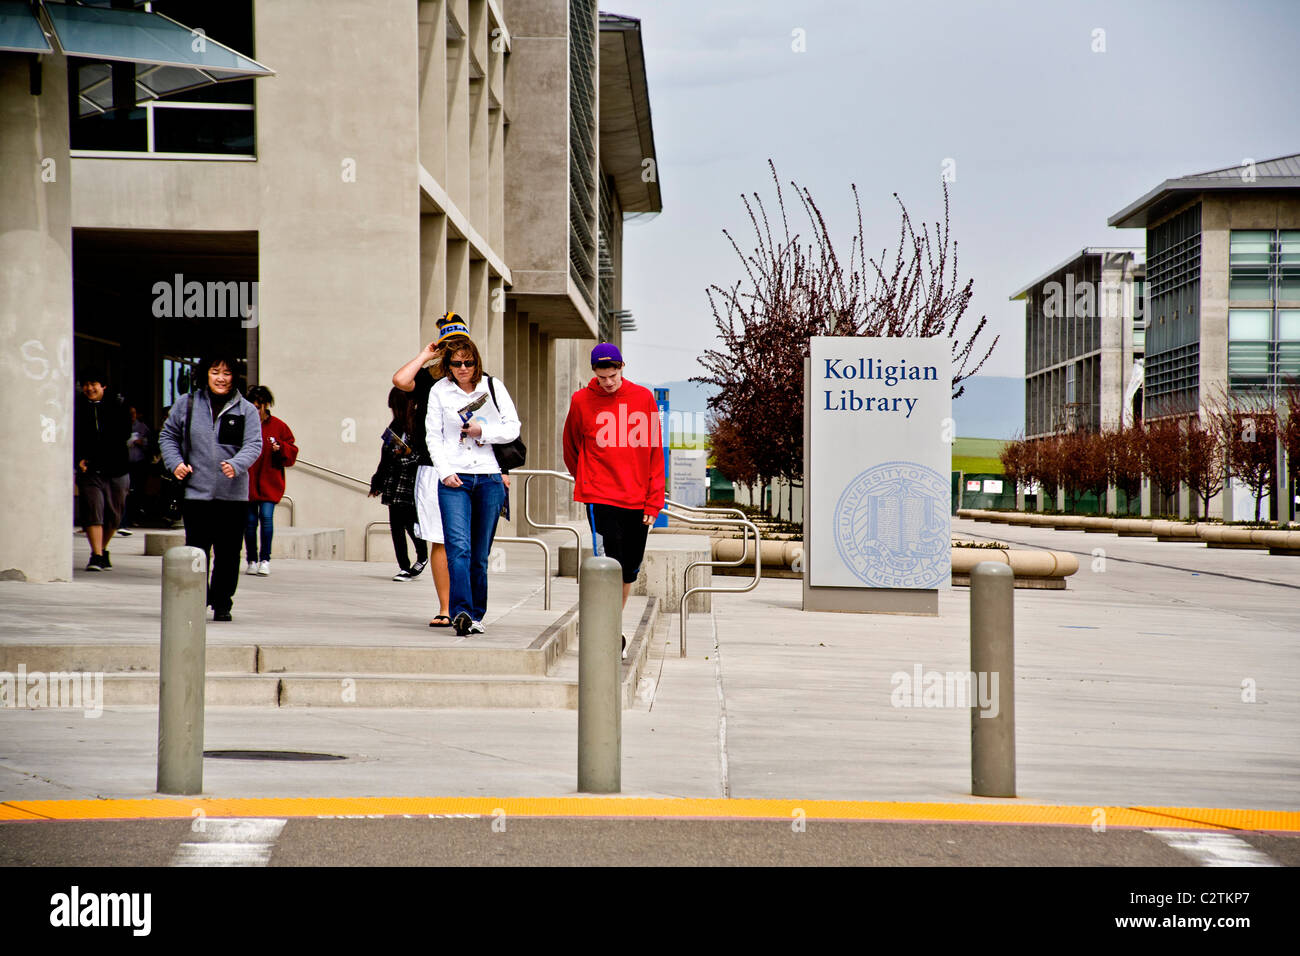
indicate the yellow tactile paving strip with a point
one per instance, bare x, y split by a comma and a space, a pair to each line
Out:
1195, 818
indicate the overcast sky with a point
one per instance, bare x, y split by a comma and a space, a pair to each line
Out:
1048, 137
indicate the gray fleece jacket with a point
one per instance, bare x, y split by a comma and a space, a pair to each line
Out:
235, 436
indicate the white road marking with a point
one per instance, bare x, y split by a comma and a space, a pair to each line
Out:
1214, 849
230, 843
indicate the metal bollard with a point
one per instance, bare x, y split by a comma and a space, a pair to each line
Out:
181, 671
600, 718
993, 680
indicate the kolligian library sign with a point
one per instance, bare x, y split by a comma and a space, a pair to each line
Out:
877, 474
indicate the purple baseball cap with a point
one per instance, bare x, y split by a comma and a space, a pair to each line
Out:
604, 352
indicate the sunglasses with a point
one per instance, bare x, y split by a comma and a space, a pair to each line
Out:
469, 364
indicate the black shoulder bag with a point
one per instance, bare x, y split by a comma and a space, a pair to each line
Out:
509, 454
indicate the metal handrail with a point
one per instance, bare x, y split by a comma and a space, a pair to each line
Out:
365, 538
719, 511
292, 510
758, 567
530, 474
546, 565
337, 474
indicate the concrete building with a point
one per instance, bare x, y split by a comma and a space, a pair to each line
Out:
1223, 265
407, 158
1084, 342
1223, 259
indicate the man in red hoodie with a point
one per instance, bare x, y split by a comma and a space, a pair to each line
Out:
613, 449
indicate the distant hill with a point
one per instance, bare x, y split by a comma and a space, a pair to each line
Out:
993, 406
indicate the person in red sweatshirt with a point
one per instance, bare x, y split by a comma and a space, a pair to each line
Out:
266, 480
613, 449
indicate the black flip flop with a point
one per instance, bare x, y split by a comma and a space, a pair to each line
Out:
440, 617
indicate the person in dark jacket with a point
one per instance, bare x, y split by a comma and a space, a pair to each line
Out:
266, 479
394, 483
101, 427
210, 441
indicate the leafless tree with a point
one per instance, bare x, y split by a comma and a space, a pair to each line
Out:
794, 289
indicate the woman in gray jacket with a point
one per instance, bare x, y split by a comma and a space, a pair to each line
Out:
209, 441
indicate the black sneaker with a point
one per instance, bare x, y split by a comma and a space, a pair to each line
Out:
96, 563
624, 652
104, 563
462, 624
221, 616
416, 568
123, 533
402, 575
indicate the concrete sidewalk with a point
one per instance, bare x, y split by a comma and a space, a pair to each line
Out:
1129, 691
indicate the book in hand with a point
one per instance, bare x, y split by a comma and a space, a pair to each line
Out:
395, 443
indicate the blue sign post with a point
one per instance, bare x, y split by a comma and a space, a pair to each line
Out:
661, 399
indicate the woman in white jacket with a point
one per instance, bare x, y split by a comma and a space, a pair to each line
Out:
471, 491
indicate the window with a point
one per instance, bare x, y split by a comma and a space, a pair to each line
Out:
177, 377
209, 122
1288, 346
1249, 257
1255, 355
1288, 265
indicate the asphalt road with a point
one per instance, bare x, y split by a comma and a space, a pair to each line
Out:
487, 841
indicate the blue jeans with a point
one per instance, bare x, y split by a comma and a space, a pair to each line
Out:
469, 523
265, 512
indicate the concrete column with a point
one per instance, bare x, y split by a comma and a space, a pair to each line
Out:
1146, 497
549, 445
1112, 499
433, 274
478, 120
36, 364
1060, 499
1184, 500
458, 277
476, 313
433, 88
457, 182
536, 406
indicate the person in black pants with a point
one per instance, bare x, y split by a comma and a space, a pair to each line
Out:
209, 441
394, 482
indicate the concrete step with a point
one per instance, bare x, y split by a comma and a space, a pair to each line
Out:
321, 544
505, 650
541, 675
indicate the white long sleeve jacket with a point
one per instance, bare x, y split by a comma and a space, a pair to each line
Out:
442, 422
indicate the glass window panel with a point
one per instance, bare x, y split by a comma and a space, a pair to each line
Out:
19, 30
1288, 321
1249, 246
140, 36
1289, 247
121, 130
203, 131
1248, 287
1288, 360
1248, 324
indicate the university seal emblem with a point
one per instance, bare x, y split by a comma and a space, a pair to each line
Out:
891, 527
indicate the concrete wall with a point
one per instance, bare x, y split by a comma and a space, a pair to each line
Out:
387, 189
36, 399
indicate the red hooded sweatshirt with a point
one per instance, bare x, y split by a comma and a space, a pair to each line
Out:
613, 447
266, 477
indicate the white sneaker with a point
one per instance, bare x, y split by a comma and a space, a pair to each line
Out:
252, 568
264, 568
476, 627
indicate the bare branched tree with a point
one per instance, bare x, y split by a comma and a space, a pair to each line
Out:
795, 289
